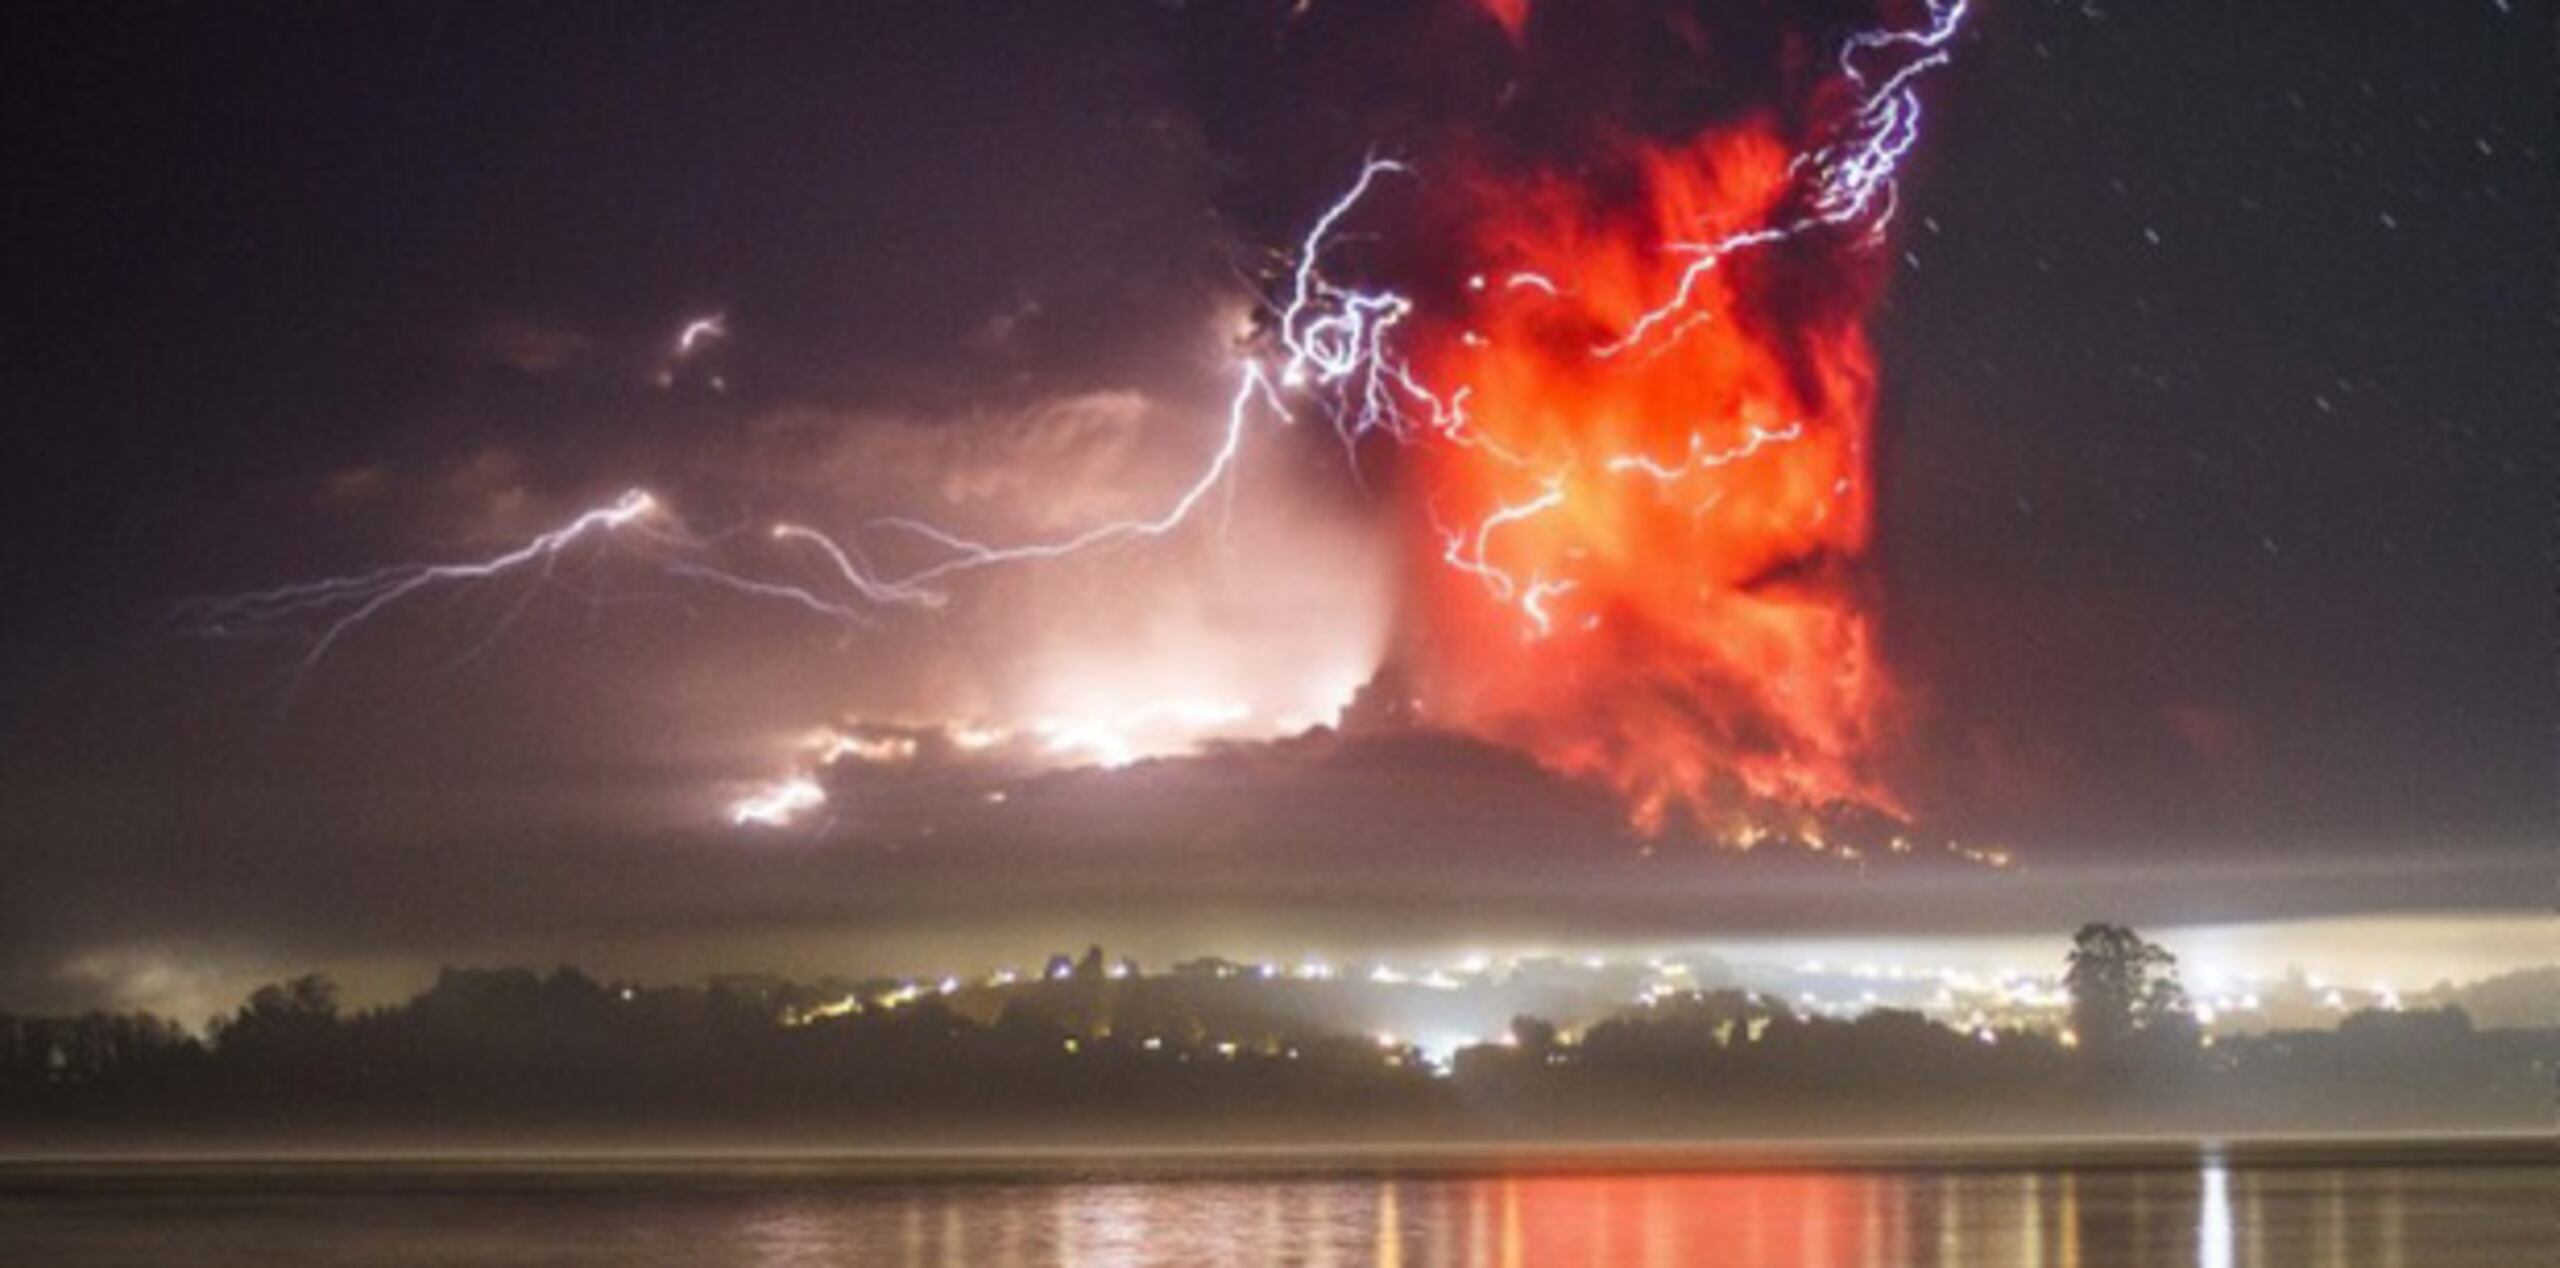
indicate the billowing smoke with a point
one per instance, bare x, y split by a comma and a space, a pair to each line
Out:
1640, 242
1682, 614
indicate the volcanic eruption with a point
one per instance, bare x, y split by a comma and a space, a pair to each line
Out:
1626, 334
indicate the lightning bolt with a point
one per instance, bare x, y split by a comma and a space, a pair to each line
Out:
1701, 459
1338, 337
1852, 175
1252, 385
1465, 551
699, 330
338, 605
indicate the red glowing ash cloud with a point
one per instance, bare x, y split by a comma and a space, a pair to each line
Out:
1647, 537
1512, 14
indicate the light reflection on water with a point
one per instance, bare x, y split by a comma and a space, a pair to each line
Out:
2213, 1224
2214, 1214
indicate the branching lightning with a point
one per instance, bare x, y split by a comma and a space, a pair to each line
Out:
969, 555
338, 605
1700, 458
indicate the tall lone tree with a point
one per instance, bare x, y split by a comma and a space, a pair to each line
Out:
2121, 985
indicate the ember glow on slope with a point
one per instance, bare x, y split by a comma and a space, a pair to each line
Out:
1639, 491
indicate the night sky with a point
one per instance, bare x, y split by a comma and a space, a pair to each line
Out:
2213, 486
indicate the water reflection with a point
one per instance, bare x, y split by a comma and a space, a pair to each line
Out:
2216, 1212
2213, 1226
2214, 1216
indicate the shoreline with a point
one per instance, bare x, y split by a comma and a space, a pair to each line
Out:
1037, 1163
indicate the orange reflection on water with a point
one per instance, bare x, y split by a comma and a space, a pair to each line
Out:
1742, 1220
2213, 1215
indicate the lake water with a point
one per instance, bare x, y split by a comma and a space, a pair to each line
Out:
2200, 1208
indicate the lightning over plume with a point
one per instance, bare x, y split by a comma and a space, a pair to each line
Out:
1610, 356
1643, 428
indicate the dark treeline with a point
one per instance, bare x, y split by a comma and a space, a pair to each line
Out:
1086, 1051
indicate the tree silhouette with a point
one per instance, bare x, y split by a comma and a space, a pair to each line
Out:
283, 1016
493, 1049
2121, 984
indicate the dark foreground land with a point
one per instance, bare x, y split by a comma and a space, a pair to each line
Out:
503, 1058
